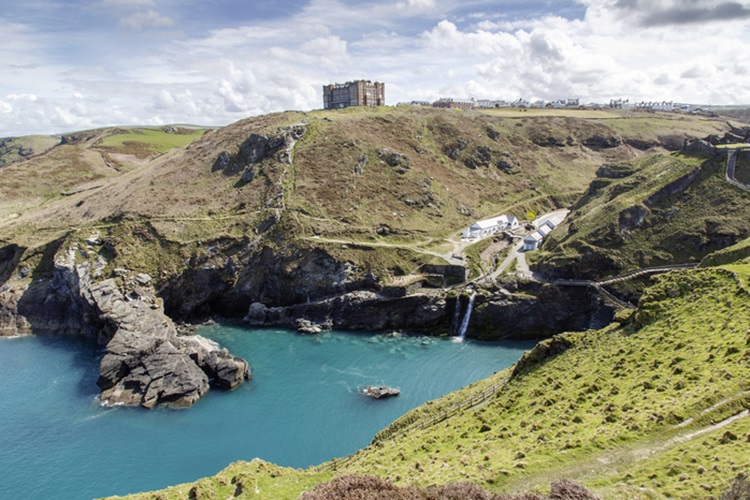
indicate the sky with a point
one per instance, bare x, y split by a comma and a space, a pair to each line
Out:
68, 65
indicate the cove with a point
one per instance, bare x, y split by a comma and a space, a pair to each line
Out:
301, 408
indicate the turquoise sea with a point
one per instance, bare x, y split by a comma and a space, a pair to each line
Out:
303, 407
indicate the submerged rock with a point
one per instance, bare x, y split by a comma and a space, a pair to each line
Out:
380, 391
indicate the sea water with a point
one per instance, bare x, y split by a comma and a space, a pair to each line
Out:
303, 406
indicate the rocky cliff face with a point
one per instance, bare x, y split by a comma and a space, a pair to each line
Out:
531, 310
517, 310
356, 311
146, 363
240, 275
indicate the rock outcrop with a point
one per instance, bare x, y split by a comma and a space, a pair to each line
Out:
544, 350
531, 310
146, 362
240, 274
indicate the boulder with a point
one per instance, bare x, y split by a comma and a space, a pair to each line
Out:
256, 314
401, 162
224, 369
632, 218
599, 142
508, 163
307, 326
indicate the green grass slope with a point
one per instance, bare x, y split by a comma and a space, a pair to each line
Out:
144, 141
738, 253
659, 209
654, 406
40, 170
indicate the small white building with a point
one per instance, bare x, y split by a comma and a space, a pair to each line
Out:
532, 241
512, 222
535, 239
481, 228
546, 228
490, 103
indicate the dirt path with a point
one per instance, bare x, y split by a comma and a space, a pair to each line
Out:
615, 461
410, 247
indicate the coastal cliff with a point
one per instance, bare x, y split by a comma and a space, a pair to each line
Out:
293, 219
145, 363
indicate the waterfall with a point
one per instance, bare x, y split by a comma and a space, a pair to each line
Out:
467, 317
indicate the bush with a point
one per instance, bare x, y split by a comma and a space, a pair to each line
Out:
740, 489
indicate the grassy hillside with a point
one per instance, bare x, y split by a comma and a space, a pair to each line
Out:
373, 179
659, 209
654, 406
159, 140
15, 149
49, 168
738, 253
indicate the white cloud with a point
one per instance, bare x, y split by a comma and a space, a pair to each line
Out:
22, 97
408, 7
126, 3
277, 64
146, 19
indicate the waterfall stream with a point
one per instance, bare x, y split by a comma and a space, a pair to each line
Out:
467, 317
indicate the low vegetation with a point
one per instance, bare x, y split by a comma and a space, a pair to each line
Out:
659, 209
143, 142
15, 149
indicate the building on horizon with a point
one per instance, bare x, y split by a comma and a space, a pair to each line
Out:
451, 103
491, 103
356, 93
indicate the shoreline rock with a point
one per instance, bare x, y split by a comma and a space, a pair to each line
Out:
146, 363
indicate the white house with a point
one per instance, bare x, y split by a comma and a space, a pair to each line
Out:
532, 241
488, 227
481, 228
489, 103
